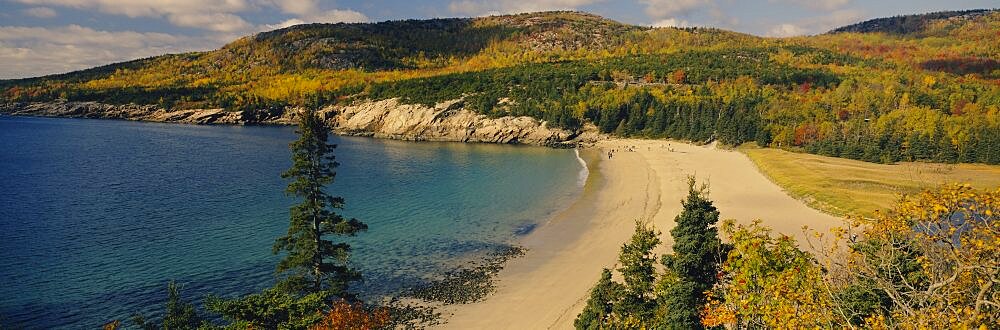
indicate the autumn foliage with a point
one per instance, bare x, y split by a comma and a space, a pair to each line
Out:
347, 316
767, 282
932, 262
927, 91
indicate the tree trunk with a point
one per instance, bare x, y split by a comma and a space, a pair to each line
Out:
317, 258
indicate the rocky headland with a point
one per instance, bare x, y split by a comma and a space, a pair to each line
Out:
390, 119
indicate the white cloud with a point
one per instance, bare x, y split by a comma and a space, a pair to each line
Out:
215, 15
308, 11
141, 8
786, 30
816, 25
211, 21
496, 7
664, 9
817, 4
337, 16
40, 12
33, 51
838, 18
671, 22
329, 16
830, 14
700, 12
299, 7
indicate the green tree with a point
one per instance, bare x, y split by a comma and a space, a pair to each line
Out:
270, 309
945, 149
179, 314
312, 263
632, 304
597, 313
694, 264
638, 271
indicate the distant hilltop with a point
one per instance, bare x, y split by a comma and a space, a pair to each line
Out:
909, 24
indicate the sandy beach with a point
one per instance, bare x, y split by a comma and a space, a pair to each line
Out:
548, 287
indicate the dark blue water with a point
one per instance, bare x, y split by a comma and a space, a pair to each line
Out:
97, 216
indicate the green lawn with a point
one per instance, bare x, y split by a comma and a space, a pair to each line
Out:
848, 187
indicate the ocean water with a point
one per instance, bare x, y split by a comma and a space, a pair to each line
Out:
97, 216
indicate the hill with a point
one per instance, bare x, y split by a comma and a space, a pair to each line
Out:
912, 24
878, 97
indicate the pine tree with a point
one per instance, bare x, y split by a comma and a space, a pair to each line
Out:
945, 149
695, 261
599, 306
613, 304
312, 263
639, 273
179, 314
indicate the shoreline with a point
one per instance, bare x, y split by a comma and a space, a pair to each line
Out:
387, 118
548, 287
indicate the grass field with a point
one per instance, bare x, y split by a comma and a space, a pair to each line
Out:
849, 187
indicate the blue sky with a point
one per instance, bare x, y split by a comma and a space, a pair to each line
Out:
40, 37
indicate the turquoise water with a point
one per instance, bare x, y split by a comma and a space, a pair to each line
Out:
97, 216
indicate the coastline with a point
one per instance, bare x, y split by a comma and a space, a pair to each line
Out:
446, 122
548, 286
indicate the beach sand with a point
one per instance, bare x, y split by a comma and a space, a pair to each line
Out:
549, 286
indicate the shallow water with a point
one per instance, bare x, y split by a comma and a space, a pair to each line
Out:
97, 216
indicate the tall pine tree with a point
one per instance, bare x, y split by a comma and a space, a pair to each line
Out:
179, 314
695, 261
638, 269
313, 263
603, 297
630, 303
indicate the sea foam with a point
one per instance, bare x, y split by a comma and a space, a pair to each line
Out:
584, 171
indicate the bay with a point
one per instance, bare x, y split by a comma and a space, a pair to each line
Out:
97, 216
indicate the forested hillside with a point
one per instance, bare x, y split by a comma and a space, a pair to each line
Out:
909, 24
913, 88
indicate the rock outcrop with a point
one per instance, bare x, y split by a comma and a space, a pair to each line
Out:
123, 111
446, 121
390, 119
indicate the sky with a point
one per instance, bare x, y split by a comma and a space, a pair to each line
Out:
39, 37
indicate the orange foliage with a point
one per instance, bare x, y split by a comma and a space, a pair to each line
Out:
805, 134
677, 77
346, 316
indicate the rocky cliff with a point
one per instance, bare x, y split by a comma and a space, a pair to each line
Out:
124, 111
447, 121
390, 119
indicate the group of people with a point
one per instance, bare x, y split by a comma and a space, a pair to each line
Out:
611, 153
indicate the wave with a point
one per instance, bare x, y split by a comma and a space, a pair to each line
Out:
584, 171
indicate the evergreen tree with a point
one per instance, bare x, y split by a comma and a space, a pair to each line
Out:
599, 306
312, 263
633, 303
695, 261
638, 271
179, 314
270, 309
945, 150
